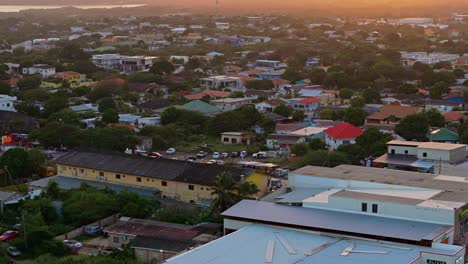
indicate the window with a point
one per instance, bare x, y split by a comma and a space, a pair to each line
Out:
393, 152
364, 207
226, 139
164, 183
138, 179
191, 187
406, 152
375, 208
101, 173
147, 180
201, 188
425, 155
234, 141
117, 176
116, 240
63, 167
81, 171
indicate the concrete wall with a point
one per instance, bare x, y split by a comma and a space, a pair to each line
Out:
79, 231
334, 144
149, 256
173, 190
434, 154
402, 150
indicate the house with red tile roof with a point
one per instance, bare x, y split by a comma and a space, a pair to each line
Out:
308, 104
213, 94
453, 116
69, 76
342, 134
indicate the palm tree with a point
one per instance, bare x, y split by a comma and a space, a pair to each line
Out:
246, 189
224, 193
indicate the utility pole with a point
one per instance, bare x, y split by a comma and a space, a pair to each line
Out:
24, 230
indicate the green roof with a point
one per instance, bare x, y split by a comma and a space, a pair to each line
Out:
443, 134
200, 106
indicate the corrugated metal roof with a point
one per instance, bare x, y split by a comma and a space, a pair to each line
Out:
334, 221
248, 246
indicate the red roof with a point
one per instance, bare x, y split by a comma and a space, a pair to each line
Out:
343, 131
65, 74
211, 93
452, 116
309, 100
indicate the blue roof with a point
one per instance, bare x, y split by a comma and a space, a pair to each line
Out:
455, 99
248, 245
335, 221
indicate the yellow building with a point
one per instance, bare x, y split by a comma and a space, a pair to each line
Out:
174, 179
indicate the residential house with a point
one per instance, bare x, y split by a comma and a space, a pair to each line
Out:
222, 25
283, 142
342, 134
213, 94
442, 105
222, 82
69, 76
42, 69
391, 114
287, 128
312, 63
451, 117
269, 65
200, 107
7, 103
443, 135
84, 108
165, 178
462, 62
268, 106
256, 94
106, 61
307, 105
136, 63
421, 156
409, 58
228, 104
271, 75
311, 132
129, 119
280, 85
236, 138
149, 121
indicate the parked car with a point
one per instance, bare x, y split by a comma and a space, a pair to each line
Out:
191, 159
243, 154
224, 155
9, 235
93, 230
260, 155
170, 151
216, 155
72, 244
154, 155
234, 154
211, 162
201, 154
14, 252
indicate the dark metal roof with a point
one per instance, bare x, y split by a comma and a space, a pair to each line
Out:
161, 244
165, 169
334, 221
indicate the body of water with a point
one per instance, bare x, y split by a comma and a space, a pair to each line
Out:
18, 8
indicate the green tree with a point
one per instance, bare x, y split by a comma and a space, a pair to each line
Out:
57, 134
358, 101
110, 116
162, 67
17, 162
373, 142
346, 93
298, 115
300, 149
4, 88
55, 104
463, 133
65, 116
29, 83
260, 85
355, 116
434, 117
223, 192
284, 110
407, 88
413, 127
324, 158
459, 73
438, 89
36, 160
106, 103
371, 96
317, 144
99, 93
354, 152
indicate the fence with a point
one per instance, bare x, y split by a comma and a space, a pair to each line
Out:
79, 231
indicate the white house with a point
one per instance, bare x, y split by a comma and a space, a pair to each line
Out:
222, 25
43, 69
149, 121
106, 61
225, 82
7, 103
442, 106
342, 134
